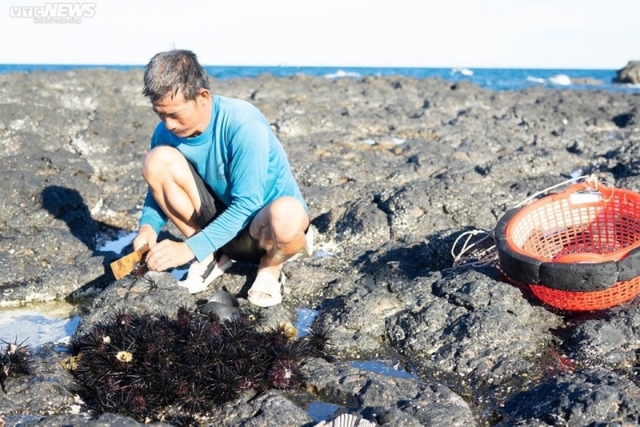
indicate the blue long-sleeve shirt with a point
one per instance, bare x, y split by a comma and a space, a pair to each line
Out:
242, 161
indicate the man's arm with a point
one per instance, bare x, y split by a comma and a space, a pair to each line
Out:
248, 169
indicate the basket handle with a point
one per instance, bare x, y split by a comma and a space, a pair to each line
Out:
583, 193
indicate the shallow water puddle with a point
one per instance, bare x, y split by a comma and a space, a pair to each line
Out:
321, 411
38, 324
115, 242
304, 319
326, 250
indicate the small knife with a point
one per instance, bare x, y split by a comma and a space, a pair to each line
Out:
126, 264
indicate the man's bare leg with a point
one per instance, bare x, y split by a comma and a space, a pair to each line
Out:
279, 229
173, 187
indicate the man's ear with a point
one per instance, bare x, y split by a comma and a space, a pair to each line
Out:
203, 96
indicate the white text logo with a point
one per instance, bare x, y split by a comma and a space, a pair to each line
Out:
55, 13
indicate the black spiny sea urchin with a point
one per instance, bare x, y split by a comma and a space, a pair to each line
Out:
15, 360
148, 366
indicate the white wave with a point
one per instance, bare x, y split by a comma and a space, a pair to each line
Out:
463, 71
535, 79
560, 79
340, 74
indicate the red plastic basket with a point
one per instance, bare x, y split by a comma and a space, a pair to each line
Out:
587, 301
576, 250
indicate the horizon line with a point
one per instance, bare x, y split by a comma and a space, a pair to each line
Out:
44, 64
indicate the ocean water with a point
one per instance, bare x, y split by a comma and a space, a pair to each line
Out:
490, 78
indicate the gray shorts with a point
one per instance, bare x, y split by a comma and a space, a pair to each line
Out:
242, 247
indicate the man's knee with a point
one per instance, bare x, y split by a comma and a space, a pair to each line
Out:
158, 161
288, 217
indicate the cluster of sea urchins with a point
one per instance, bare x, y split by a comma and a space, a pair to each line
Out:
15, 360
175, 369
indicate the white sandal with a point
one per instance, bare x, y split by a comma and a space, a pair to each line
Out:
266, 285
196, 280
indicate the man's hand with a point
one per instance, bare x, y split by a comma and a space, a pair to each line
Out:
146, 235
167, 254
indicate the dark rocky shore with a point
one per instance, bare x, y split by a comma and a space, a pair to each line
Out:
394, 170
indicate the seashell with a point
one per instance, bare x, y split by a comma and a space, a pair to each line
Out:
124, 356
347, 420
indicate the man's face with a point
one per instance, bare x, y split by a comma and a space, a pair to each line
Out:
184, 118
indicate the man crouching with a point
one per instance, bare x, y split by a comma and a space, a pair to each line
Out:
216, 169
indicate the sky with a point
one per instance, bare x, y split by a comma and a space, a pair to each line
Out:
561, 34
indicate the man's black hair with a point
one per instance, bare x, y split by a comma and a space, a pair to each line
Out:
168, 73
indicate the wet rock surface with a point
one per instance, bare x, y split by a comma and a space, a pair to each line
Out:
394, 171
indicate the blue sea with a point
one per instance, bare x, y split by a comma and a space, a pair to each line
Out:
490, 78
